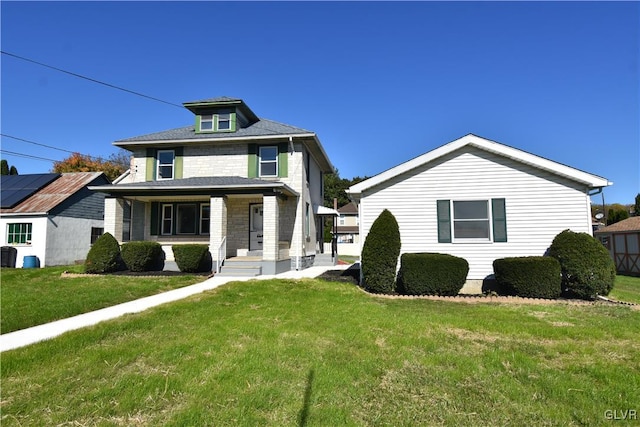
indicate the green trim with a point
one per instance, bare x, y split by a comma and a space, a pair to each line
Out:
150, 173
252, 155
198, 123
283, 160
444, 221
499, 217
177, 162
233, 122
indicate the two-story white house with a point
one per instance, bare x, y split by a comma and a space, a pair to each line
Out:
246, 186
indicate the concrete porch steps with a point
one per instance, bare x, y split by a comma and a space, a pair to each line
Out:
241, 267
324, 260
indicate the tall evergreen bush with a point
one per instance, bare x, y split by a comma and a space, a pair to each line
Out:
587, 269
380, 254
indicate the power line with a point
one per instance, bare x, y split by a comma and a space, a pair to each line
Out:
90, 79
28, 156
36, 143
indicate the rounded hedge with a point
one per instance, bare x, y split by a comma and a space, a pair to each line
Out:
193, 258
587, 269
104, 256
529, 277
431, 274
143, 256
380, 254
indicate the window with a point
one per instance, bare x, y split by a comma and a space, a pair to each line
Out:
19, 233
341, 219
268, 161
205, 219
95, 233
224, 121
167, 219
186, 219
471, 220
165, 164
206, 122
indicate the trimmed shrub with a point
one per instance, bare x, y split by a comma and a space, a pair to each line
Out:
529, 277
193, 258
431, 274
587, 269
380, 254
104, 256
143, 256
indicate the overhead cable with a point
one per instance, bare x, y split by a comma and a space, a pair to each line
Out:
90, 79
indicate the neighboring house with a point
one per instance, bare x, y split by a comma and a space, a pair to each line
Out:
54, 217
479, 200
622, 240
246, 186
347, 230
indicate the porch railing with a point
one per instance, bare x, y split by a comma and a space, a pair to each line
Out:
222, 254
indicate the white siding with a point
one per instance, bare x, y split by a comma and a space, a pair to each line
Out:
38, 237
539, 205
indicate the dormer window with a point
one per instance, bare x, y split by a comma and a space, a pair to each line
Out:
224, 121
216, 122
206, 122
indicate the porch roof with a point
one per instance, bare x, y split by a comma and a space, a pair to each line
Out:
211, 185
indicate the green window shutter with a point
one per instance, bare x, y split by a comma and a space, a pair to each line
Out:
177, 162
155, 212
499, 216
283, 159
444, 221
232, 125
253, 161
197, 124
150, 174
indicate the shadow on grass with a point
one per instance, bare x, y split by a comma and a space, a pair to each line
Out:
306, 403
350, 275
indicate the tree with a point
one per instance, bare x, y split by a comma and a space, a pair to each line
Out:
113, 167
636, 207
617, 213
335, 188
5, 169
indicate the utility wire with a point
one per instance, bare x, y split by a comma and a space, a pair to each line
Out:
28, 156
36, 143
90, 79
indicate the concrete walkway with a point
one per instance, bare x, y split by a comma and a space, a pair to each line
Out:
47, 331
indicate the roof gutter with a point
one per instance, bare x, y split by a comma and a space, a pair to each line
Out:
123, 143
16, 214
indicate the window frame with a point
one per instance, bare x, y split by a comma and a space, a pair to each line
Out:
261, 162
163, 219
207, 120
96, 232
219, 120
488, 220
27, 232
202, 219
159, 165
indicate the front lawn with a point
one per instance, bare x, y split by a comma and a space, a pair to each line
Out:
626, 289
34, 296
314, 352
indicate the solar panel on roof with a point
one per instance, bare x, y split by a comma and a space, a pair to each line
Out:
15, 188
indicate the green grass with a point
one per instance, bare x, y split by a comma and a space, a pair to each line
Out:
34, 296
626, 289
322, 353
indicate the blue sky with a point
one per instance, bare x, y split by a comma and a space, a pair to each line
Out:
380, 83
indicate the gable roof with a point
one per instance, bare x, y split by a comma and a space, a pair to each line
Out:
349, 208
54, 193
592, 181
626, 225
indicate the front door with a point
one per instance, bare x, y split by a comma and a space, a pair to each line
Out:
255, 228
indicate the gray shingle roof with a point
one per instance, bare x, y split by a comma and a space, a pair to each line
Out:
261, 128
195, 184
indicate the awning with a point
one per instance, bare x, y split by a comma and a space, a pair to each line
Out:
322, 210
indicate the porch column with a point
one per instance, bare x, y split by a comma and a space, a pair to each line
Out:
113, 217
218, 229
271, 228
